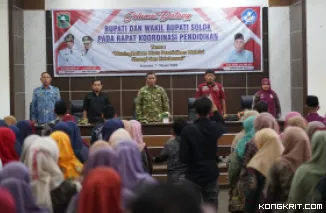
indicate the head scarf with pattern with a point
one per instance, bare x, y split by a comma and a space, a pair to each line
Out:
248, 126
68, 162
269, 150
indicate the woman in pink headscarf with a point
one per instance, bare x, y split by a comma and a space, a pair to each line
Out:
266, 94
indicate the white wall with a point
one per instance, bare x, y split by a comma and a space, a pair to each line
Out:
4, 60
316, 31
279, 55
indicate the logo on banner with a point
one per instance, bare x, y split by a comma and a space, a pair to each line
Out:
249, 16
63, 20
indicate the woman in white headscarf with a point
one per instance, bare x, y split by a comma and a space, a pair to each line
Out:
49, 187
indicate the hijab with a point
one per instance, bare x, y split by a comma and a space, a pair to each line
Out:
22, 194
68, 162
3, 123
7, 202
241, 134
99, 145
136, 133
10, 120
127, 126
130, 166
18, 144
118, 136
268, 96
101, 157
298, 121
269, 150
25, 127
78, 146
248, 126
46, 175
63, 126
313, 126
110, 126
15, 170
27, 144
266, 120
101, 192
7, 146
297, 148
290, 115
308, 174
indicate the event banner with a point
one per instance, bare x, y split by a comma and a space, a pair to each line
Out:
167, 41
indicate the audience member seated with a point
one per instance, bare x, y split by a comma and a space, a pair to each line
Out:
26, 128
297, 150
167, 199
309, 174
60, 109
134, 178
27, 144
49, 187
18, 144
198, 151
98, 145
269, 150
312, 104
101, 192
261, 107
7, 146
78, 145
68, 162
313, 126
7, 202
298, 121
10, 120
176, 170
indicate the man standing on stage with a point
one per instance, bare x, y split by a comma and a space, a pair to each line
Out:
44, 99
213, 91
152, 100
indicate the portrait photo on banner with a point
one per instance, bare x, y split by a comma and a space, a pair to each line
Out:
126, 42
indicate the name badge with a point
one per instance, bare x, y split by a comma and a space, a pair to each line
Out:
271, 96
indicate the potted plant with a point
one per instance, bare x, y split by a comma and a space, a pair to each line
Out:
165, 117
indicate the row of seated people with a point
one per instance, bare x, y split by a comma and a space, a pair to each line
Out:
58, 173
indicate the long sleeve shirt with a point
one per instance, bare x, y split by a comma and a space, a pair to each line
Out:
43, 103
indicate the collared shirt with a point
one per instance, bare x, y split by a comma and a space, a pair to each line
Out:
245, 56
176, 170
69, 57
215, 91
315, 117
43, 103
94, 105
88, 58
151, 102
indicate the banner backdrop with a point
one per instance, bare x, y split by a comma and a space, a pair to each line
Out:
168, 41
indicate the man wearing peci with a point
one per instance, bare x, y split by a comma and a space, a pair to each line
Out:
239, 54
69, 56
151, 101
44, 99
87, 54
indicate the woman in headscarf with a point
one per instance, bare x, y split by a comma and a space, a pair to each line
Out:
68, 162
80, 150
298, 121
118, 136
7, 146
269, 150
262, 121
101, 192
15, 170
269, 96
297, 150
63, 126
289, 116
7, 202
236, 160
313, 127
10, 120
99, 145
241, 134
127, 126
134, 178
3, 123
308, 174
49, 187
27, 144
22, 194
137, 135
18, 144
25, 128
111, 126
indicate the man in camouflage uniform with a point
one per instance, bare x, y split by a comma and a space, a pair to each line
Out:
151, 101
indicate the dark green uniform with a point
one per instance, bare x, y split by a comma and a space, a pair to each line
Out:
151, 102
